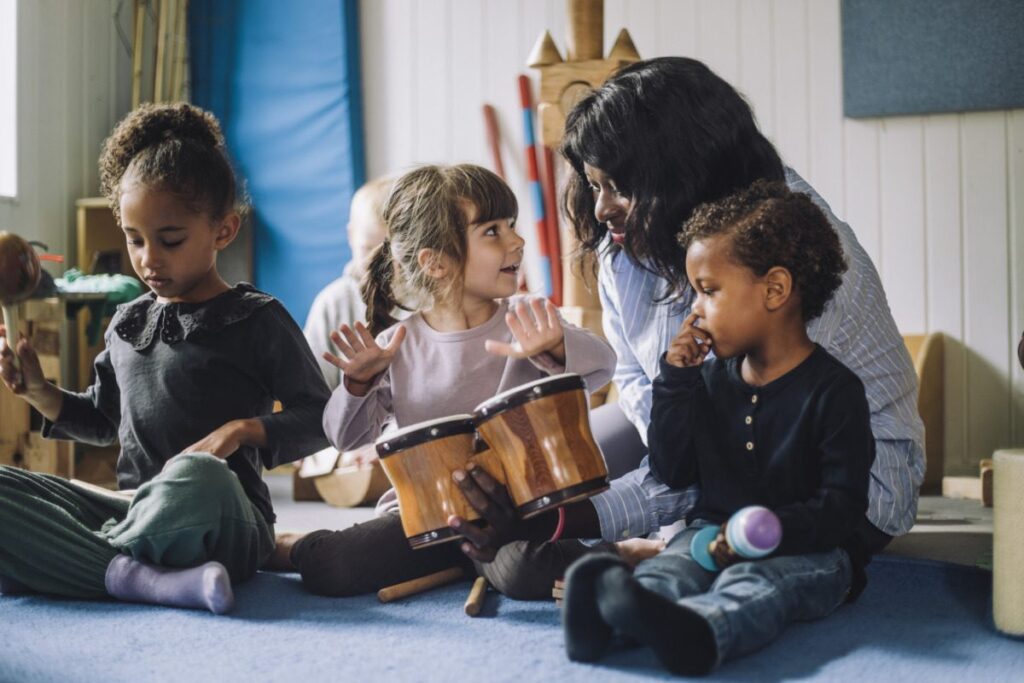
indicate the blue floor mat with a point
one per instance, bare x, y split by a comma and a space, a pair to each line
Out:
917, 621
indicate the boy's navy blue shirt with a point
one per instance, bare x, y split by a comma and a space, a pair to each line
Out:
800, 445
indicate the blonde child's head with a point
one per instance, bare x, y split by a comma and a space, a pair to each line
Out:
166, 173
427, 213
366, 227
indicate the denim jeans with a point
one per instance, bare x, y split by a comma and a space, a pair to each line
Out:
750, 603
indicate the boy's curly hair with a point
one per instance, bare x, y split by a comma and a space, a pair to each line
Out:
178, 148
769, 226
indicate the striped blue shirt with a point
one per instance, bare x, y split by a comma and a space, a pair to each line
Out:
857, 328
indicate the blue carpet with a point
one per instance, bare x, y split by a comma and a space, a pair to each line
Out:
918, 621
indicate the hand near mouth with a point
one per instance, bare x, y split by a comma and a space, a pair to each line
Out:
535, 333
690, 345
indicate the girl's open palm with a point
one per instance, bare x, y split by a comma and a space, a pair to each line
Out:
362, 359
535, 333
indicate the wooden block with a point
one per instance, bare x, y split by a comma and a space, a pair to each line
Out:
304, 490
926, 351
962, 487
987, 472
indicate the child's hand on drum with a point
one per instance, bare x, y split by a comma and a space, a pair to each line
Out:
363, 360
690, 345
26, 379
491, 500
536, 333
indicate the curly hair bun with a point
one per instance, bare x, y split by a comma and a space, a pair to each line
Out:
176, 146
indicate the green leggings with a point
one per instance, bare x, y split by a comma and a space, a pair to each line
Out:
58, 538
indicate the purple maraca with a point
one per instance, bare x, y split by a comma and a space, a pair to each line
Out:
751, 532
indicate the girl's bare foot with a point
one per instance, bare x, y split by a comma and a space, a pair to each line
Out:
635, 550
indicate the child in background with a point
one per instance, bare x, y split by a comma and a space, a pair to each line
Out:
341, 301
453, 256
186, 383
771, 420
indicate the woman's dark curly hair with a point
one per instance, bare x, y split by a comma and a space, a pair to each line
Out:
177, 148
770, 226
672, 135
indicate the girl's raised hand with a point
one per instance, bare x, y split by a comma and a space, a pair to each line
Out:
535, 333
362, 359
27, 378
690, 345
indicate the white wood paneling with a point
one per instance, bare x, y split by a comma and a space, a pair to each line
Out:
902, 204
73, 86
937, 201
1016, 147
944, 255
986, 282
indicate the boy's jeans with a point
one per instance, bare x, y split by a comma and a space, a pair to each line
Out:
750, 603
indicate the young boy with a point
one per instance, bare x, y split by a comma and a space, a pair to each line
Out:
340, 301
771, 419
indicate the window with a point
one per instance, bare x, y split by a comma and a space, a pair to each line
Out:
8, 98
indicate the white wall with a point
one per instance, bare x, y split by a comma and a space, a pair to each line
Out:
938, 201
73, 85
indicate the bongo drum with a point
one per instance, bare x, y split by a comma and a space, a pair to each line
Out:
419, 461
541, 433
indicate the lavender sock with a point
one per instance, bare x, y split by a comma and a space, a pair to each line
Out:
12, 587
204, 587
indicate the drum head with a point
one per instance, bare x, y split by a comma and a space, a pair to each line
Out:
421, 432
547, 386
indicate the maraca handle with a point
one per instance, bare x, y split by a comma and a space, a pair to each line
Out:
11, 324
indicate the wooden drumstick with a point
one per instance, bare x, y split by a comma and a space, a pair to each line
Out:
477, 595
420, 585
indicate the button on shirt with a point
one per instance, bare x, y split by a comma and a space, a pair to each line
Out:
856, 328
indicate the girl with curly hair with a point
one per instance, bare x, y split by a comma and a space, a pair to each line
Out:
186, 384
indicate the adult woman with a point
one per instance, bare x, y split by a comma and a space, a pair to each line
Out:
656, 140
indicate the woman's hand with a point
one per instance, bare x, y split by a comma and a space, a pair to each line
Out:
535, 333
491, 500
363, 359
226, 440
690, 346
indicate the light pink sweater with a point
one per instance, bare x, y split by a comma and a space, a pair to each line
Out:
437, 374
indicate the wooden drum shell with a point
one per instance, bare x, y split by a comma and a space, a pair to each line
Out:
427, 494
545, 446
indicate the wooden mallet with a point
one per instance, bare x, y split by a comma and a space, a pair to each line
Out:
19, 277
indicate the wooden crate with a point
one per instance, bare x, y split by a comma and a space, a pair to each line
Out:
21, 443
